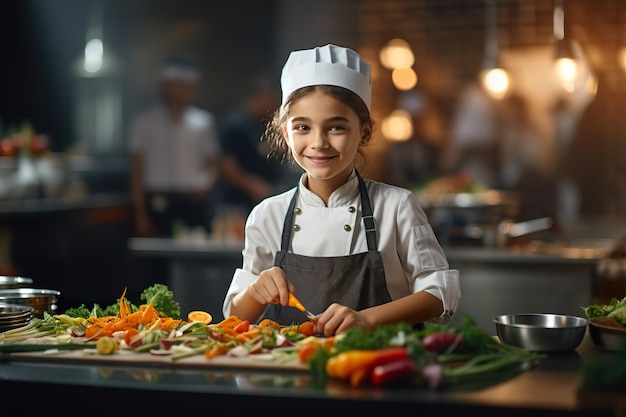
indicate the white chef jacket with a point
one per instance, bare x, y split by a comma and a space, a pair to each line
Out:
413, 259
176, 155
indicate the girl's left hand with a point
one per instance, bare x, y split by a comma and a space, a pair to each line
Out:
338, 318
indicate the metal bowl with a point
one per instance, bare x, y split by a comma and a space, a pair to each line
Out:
608, 337
8, 282
40, 299
541, 332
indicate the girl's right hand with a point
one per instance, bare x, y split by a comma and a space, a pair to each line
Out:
271, 287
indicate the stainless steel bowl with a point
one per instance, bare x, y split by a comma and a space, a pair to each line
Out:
41, 299
541, 332
9, 282
605, 336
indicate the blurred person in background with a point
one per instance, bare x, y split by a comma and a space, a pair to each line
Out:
247, 174
174, 148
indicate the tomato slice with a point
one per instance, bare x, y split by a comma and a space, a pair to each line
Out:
244, 326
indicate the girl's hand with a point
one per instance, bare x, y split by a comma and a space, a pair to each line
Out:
338, 318
272, 287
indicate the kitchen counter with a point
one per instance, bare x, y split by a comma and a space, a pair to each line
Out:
551, 389
496, 281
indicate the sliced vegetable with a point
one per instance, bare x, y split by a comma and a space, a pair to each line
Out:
343, 365
294, 302
307, 351
106, 345
199, 316
398, 370
441, 341
242, 326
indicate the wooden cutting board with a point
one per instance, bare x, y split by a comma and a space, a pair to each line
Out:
131, 358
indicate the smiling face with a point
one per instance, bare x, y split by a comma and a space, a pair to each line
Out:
324, 136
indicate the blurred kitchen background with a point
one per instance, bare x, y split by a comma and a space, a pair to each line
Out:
549, 138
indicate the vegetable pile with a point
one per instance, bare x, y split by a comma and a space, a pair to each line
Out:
436, 356
616, 310
155, 327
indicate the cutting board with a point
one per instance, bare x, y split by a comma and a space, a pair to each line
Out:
131, 358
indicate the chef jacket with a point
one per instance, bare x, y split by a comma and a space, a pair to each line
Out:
176, 155
413, 259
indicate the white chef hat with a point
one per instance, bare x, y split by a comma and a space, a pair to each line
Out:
327, 65
180, 69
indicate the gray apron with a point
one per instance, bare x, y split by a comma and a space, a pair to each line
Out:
356, 281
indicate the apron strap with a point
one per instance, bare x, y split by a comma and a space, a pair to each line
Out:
288, 225
368, 218
368, 215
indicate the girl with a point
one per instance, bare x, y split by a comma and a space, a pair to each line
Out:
355, 252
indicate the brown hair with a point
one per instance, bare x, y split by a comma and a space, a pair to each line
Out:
274, 134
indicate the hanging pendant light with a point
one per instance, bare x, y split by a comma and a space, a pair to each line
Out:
494, 79
565, 65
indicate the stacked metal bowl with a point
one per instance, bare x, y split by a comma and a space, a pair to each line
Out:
42, 300
13, 316
9, 282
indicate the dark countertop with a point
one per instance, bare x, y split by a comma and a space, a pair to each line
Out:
178, 248
62, 204
552, 389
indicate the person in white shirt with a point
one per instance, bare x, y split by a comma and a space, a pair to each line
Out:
175, 150
356, 252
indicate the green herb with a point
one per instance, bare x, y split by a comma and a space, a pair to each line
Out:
616, 308
162, 298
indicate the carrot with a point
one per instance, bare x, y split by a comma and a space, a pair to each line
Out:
213, 351
307, 351
230, 321
124, 309
269, 323
148, 314
294, 302
246, 336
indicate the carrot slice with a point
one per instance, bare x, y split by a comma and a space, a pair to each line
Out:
294, 302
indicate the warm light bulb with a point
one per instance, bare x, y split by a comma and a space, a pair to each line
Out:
396, 54
398, 126
404, 78
566, 71
496, 82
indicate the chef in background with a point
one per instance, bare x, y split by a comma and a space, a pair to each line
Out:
357, 253
174, 150
248, 175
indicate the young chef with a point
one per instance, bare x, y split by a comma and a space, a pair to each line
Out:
355, 252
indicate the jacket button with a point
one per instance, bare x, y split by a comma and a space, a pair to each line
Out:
297, 210
351, 209
347, 227
296, 227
